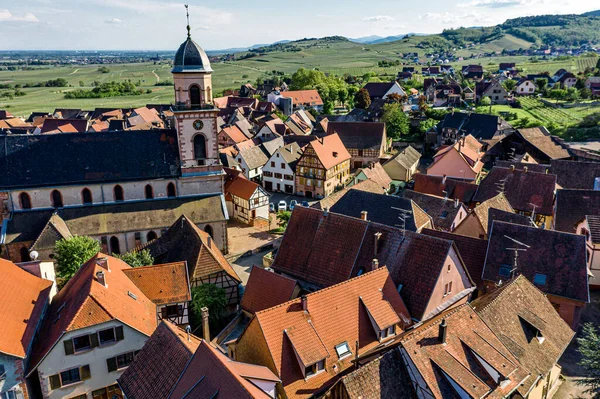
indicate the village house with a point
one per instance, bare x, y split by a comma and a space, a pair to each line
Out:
322, 248
176, 364
402, 166
564, 79
443, 186
323, 166
536, 145
430, 71
230, 135
92, 331
304, 99
493, 90
525, 87
593, 83
366, 141
576, 174
381, 91
446, 214
247, 201
462, 160
271, 130
279, 173
374, 172
300, 123
554, 261
590, 228
368, 185
474, 72
526, 322
185, 242
167, 286
529, 193
311, 341
506, 66
488, 129
476, 223
252, 160
26, 299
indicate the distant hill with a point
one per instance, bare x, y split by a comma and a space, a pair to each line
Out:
592, 14
365, 39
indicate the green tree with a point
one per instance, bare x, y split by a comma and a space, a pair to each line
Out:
71, 253
427, 124
589, 347
510, 85
541, 83
362, 99
485, 101
396, 121
81, 83
212, 297
137, 259
283, 218
307, 79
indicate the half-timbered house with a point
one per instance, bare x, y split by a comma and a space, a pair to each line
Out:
366, 141
168, 287
246, 200
184, 241
324, 165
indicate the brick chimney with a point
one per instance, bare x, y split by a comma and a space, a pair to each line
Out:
375, 264
304, 302
363, 215
205, 326
376, 243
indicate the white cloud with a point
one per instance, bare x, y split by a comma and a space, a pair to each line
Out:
444, 17
203, 27
378, 18
7, 16
114, 21
500, 3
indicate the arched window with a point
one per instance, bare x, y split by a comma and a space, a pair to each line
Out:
24, 255
171, 190
118, 193
56, 197
149, 192
199, 147
151, 236
115, 246
25, 201
208, 229
86, 196
194, 95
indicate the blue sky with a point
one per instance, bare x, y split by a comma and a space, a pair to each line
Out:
160, 24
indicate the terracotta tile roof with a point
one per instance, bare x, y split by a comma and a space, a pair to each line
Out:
324, 250
184, 241
365, 185
467, 337
481, 211
385, 377
240, 187
573, 174
64, 125
24, 298
521, 189
512, 312
376, 173
359, 135
531, 167
303, 97
572, 206
594, 226
443, 211
539, 137
559, 256
509, 217
148, 115
209, 373
330, 150
159, 364
266, 289
335, 315
437, 185
471, 250
85, 302
162, 284
234, 133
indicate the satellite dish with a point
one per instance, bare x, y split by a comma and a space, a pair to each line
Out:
34, 255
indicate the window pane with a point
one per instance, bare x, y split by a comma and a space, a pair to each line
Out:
81, 343
124, 360
107, 335
70, 376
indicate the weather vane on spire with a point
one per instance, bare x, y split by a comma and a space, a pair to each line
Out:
187, 14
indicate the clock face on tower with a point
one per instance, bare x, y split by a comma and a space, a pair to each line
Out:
198, 124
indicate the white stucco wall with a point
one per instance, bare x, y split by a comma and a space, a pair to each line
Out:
280, 167
56, 361
10, 382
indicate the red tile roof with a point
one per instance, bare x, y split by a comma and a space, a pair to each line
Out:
467, 338
162, 284
159, 364
235, 134
266, 289
336, 315
210, 373
303, 97
84, 302
436, 185
330, 150
53, 125
241, 187
24, 298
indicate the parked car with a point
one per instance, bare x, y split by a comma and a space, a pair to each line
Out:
293, 203
271, 207
282, 206
305, 203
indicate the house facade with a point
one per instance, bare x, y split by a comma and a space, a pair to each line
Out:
590, 228
365, 141
493, 90
323, 166
249, 202
525, 87
279, 173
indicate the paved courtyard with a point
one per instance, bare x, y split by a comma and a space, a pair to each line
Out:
243, 238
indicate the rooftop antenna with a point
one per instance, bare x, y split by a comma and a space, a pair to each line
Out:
402, 216
187, 15
533, 213
516, 250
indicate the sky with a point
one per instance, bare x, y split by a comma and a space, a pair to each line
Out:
160, 24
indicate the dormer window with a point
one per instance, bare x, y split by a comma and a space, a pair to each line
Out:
314, 369
343, 350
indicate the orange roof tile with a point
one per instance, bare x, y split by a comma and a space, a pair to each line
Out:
23, 297
241, 187
234, 133
84, 302
330, 150
162, 284
266, 289
303, 97
335, 315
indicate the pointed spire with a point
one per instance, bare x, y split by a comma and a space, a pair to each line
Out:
187, 14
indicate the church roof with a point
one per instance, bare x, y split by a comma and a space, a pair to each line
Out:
191, 58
